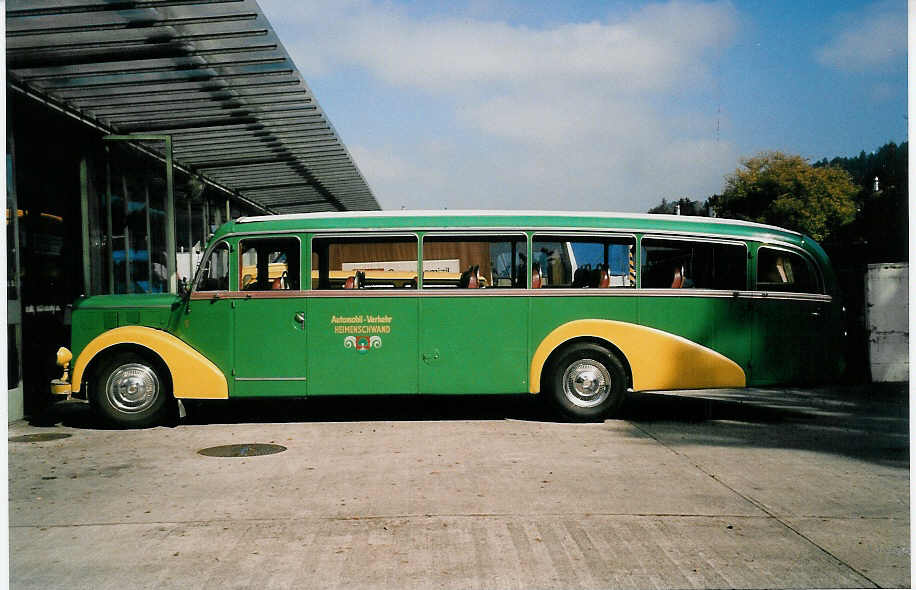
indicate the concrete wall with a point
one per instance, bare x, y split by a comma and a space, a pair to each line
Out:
887, 318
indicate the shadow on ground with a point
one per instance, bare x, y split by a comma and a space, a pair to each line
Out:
866, 423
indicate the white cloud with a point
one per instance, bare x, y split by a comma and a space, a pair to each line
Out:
647, 52
874, 39
574, 116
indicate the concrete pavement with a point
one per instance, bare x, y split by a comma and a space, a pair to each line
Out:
730, 488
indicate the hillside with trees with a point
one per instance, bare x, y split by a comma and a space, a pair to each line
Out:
855, 206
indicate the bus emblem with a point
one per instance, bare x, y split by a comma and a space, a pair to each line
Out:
363, 344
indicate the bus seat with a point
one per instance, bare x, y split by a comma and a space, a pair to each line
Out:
469, 279
604, 279
536, 282
678, 281
580, 277
356, 281
281, 282
521, 276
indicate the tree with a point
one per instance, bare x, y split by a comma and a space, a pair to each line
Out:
785, 190
881, 229
687, 207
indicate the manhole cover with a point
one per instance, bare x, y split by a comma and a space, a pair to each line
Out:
39, 437
244, 450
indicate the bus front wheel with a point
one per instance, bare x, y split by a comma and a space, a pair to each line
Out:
587, 382
131, 391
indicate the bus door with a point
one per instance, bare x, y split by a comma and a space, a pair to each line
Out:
206, 323
474, 315
362, 315
270, 318
697, 289
790, 327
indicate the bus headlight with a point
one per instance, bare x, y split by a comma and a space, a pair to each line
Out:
64, 357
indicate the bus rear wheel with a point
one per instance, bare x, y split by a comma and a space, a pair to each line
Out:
131, 391
587, 382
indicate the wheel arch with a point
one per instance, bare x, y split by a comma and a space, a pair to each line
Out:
99, 361
654, 359
192, 375
603, 343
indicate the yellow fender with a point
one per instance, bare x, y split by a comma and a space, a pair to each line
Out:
657, 359
193, 375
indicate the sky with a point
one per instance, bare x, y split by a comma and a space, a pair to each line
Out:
584, 105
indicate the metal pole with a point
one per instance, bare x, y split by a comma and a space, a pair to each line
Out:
206, 216
84, 221
110, 237
170, 261
190, 232
128, 283
149, 241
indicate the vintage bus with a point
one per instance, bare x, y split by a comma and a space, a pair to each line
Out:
579, 307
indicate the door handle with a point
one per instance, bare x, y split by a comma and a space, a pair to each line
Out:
300, 317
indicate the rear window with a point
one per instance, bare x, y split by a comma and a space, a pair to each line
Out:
781, 270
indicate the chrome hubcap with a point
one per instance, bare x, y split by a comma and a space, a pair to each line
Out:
586, 383
132, 387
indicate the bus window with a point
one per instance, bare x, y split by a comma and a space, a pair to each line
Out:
364, 262
474, 261
688, 264
269, 263
215, 273
578, 261
780, 270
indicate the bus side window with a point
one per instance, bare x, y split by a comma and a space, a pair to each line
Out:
585, 261
483, 262
267, 264
781, 270
693, 264
364, 262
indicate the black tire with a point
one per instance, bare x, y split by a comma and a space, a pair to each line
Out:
586, 382
132, 391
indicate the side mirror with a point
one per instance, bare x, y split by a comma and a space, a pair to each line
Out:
183, 287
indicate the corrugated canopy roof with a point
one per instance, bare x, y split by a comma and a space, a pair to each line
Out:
210, 73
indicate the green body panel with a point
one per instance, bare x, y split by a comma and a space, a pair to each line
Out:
342, 337
719, 323
474, 344
549, 313
206, 325
100, 313
788, 341
270, 347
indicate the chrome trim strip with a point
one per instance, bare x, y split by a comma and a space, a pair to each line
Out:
270, 379
513, 292
138, 307
705, 240
538, 234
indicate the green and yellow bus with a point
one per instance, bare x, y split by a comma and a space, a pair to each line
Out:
580, 307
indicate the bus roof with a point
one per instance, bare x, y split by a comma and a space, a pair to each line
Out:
486, 219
